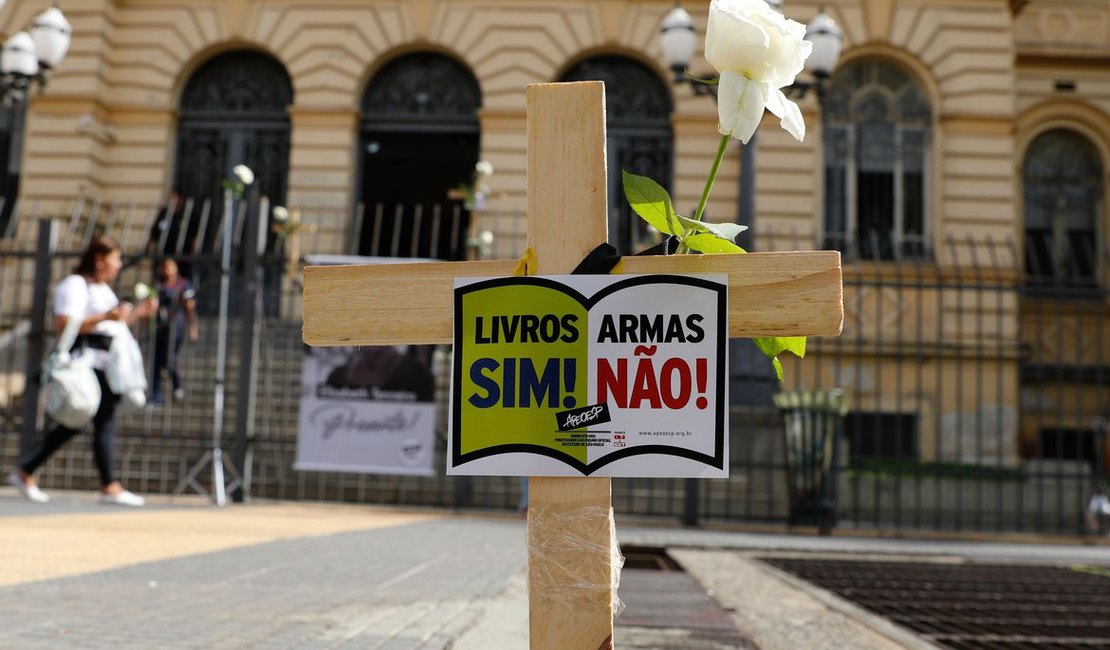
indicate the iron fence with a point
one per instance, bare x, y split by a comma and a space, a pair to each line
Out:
975, 389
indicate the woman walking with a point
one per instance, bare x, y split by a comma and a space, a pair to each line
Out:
87, 294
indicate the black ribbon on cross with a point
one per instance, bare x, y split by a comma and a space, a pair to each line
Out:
604, 258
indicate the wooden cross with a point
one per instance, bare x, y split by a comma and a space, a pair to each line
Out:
770, 294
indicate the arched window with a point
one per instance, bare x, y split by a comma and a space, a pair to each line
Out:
1062, 202
877, 141
419, 140
638, 111
234, 110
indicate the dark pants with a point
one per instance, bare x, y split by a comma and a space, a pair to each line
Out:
103, 440
165, 357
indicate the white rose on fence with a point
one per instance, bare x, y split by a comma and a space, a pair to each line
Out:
241, 178
757, 52
285, 221
243, 173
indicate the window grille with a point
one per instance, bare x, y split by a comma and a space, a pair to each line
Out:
1062, 200
877, 148
638, 111
234, 110
418, 145
873, 436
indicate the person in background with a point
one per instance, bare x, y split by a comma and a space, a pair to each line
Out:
177, 318
166, 227
87, 294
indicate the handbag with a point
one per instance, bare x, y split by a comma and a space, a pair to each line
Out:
71, 391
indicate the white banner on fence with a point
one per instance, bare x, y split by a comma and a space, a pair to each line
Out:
367, 410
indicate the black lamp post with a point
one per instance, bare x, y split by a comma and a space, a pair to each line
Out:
679, 39
28, 56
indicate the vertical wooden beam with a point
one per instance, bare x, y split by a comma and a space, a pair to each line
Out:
570, 533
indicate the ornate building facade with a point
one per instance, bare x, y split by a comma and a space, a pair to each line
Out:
936, 107
961, 143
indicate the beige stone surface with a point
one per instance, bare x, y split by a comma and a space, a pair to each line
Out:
55, 546
981, 67
107, 126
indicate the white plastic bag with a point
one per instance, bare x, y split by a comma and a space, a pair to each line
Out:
124, 371
71, 392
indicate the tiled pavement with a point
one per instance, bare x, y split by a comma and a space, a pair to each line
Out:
74, 574
357, 589
418, 582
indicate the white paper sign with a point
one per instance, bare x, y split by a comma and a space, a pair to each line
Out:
367, 410
590, 375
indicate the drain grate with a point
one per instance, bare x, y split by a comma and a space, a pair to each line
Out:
651, 558
973, 606
668, 609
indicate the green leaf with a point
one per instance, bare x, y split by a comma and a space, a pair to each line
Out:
649, 200
710, 243
773, 346
778, 367
727, 231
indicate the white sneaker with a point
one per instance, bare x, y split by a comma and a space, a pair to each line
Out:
29, 492
123, 498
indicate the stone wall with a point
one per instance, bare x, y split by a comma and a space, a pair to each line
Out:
107, 124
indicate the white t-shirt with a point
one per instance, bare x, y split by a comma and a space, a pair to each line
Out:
76, 298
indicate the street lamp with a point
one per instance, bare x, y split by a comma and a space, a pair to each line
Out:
679, 40
29, 56
827, 41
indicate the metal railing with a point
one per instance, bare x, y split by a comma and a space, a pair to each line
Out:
975, 393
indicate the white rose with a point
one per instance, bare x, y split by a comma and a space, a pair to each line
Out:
142, 291
243, 173
757, 51
484, 168
280, 214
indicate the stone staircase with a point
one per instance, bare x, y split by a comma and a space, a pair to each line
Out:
277, 386
157, 445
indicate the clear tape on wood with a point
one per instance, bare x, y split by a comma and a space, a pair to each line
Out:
573, 561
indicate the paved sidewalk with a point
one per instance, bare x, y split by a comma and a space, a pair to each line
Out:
258, 576
75, 574
37, 544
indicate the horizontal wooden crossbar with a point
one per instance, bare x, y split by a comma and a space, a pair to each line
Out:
770, 294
